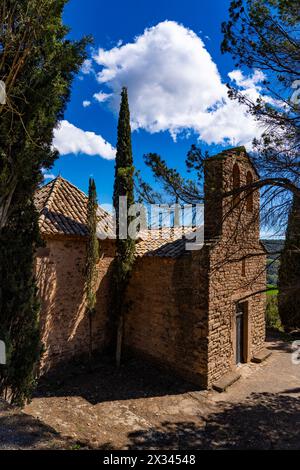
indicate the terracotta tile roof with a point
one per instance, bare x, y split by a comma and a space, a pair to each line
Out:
63, 210
167, 243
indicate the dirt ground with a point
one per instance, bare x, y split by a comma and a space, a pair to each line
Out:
138, 407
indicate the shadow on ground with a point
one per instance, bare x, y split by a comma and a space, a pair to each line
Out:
21, 431
292, 390
134, 379
263, 421
278, 341
285, 347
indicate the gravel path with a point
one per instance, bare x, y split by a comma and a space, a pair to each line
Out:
139, 408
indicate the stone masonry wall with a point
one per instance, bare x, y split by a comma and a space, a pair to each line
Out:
237, 273
182, 311
227, 287
60, 271
167, 321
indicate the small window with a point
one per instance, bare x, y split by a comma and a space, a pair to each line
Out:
236, 183
243, 267
249, 197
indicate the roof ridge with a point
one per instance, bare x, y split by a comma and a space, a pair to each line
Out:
85, 195
47, 205
73, 186
49, 200
82, 193
60, 179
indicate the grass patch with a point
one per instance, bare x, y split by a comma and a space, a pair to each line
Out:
272, 290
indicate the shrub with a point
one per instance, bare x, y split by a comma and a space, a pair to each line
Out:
272, 315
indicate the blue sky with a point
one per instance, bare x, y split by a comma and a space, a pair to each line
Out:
166, 87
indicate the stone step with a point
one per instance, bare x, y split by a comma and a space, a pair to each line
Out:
261, 356
225, 381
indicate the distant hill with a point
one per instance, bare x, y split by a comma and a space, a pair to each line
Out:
274, 248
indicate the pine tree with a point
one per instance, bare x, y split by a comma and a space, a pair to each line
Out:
289, 272
123, 187
91, 259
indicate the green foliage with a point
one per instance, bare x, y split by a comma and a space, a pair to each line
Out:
289, 272
274, 249
92, 247
174, 186
272, 315
92, 256
37, 64
124, 170
264, 35
19, 307
123, 186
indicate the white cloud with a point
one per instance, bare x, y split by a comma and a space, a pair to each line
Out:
87, 67
252, 86
175, 86
86, 103
47, 176
70, 139
101, 97
252, 81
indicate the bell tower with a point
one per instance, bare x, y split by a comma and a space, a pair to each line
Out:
237, 213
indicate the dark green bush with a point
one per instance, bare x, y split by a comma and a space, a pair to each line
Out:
272, 315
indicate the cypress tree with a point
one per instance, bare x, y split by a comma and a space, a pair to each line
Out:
289, 271
19, 306
91, 259
125, 247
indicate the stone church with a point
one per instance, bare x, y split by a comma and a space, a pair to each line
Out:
199, 313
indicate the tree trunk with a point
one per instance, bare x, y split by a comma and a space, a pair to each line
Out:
90, 337
120, 335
